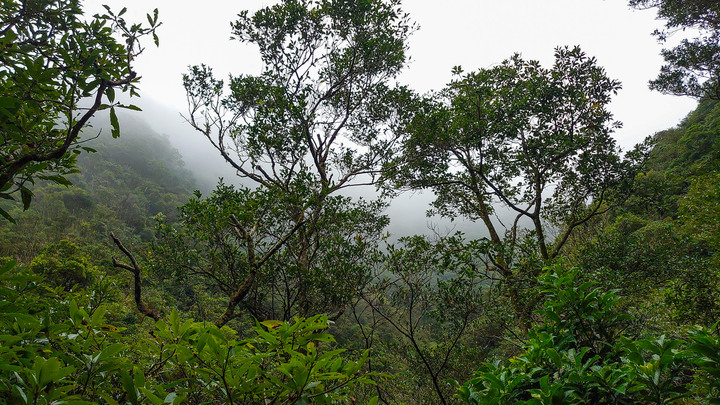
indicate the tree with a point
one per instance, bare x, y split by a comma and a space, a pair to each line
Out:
536, 140
241, 243
323, 107
58, 69
692, 67
430, 292
63, 264
320, 116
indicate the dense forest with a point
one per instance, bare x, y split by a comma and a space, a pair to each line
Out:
122, 284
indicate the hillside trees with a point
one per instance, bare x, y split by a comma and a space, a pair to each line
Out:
58, 70
318, 119
692, 67
665, 233
120, 187
538, 141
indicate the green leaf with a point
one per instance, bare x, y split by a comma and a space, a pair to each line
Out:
110, 93
114, 123
57, 179
7, 266
111, 351
98, 317
7, 216
271, 324
154, 399
129, 387
21, 392
26, 196
170, 398
130, 107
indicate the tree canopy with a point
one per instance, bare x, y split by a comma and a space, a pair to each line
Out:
324, 105
602, 288
58, 70
320, 117
692, 67
533, 139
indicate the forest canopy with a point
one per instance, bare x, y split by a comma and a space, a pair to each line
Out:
120, 284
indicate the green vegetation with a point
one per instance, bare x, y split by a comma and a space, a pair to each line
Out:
692, 67
120, 285
63, 350
581, 355
510, 135
53, 58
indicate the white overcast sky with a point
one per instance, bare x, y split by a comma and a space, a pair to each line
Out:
470, 33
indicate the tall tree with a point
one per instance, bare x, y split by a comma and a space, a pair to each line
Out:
324, 105
535, 140
318, 118
692, 67
58, 68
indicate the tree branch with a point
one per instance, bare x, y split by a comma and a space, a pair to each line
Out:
135, 269
253, 266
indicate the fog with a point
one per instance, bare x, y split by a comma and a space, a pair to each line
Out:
471, 33
407, 211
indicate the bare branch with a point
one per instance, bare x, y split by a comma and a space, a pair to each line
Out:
135, 269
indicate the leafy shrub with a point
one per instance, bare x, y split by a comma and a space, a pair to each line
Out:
53, 350
579, 355
63, 264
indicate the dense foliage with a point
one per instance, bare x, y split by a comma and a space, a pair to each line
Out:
64, 350
511, 135
53, 60
579, 354
605, 289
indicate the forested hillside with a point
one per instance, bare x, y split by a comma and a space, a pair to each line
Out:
121, 284
636, 319
661, 241
118, 188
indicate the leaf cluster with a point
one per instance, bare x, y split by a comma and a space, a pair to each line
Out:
692, 67
62, 351
53, 60
580, 355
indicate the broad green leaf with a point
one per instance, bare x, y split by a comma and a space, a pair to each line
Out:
7, 216
114, 123
26, 196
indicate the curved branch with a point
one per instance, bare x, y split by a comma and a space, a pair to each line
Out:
135, 270
253, 266
9, 171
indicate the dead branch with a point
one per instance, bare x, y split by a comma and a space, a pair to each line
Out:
135, 270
